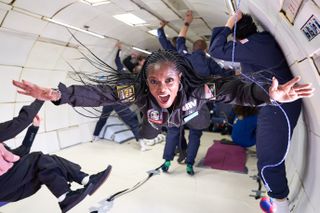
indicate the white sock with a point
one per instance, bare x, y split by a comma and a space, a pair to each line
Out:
85, 180
62, 197
143, 146
282, 206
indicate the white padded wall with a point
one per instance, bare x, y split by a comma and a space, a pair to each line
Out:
15, 47
35, 50
69, 136
6, 111
30, 24
8, 91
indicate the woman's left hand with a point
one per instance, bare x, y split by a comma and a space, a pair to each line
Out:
289, 91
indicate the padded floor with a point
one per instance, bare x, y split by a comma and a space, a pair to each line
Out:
208, 191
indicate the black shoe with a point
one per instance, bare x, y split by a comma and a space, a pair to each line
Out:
190, 170
182, 156
98, 179
74, 197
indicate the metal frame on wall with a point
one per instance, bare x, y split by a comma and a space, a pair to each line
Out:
290, 9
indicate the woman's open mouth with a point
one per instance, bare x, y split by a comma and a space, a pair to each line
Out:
164, 98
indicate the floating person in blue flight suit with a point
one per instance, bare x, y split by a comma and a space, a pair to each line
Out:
28, 138
173, 134
165, 43
204, 66
244, 127
258, 52
168, 92
124, 112
22, 173
133, 63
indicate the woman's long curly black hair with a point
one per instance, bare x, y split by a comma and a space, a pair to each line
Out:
189, 80
107, 77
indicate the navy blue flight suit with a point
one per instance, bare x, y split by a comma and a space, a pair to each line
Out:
173, 133
165, 43
261, 52
33, 170
204, 66
129, 117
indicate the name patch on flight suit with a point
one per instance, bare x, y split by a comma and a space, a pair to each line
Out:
189, 105
126, 93
155, 116
189, 108
189, 117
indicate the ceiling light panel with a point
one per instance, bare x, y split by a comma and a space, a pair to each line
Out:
153, 32
130, 19
145, 15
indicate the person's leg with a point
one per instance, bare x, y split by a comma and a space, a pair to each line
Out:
71, 171
193, 147
29, 173
172, 140
106, 110
272, 142
21, 180
147, 132
181, 148
36, 169
130, 118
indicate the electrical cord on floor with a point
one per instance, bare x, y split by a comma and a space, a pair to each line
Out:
106, 204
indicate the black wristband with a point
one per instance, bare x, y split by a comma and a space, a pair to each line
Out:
186, 24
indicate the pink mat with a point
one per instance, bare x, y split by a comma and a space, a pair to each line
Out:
226, 157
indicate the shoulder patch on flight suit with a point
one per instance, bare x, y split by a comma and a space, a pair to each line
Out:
126, 93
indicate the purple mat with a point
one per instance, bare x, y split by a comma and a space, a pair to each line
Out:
226, 157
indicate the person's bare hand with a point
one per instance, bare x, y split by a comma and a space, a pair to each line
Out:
188, 17
36, 121
7, 159
289, 91
33, 90
119, 45
233, 19
163, 23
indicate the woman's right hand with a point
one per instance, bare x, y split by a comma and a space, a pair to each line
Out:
33, 90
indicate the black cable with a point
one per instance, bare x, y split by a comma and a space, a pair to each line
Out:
128, 190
